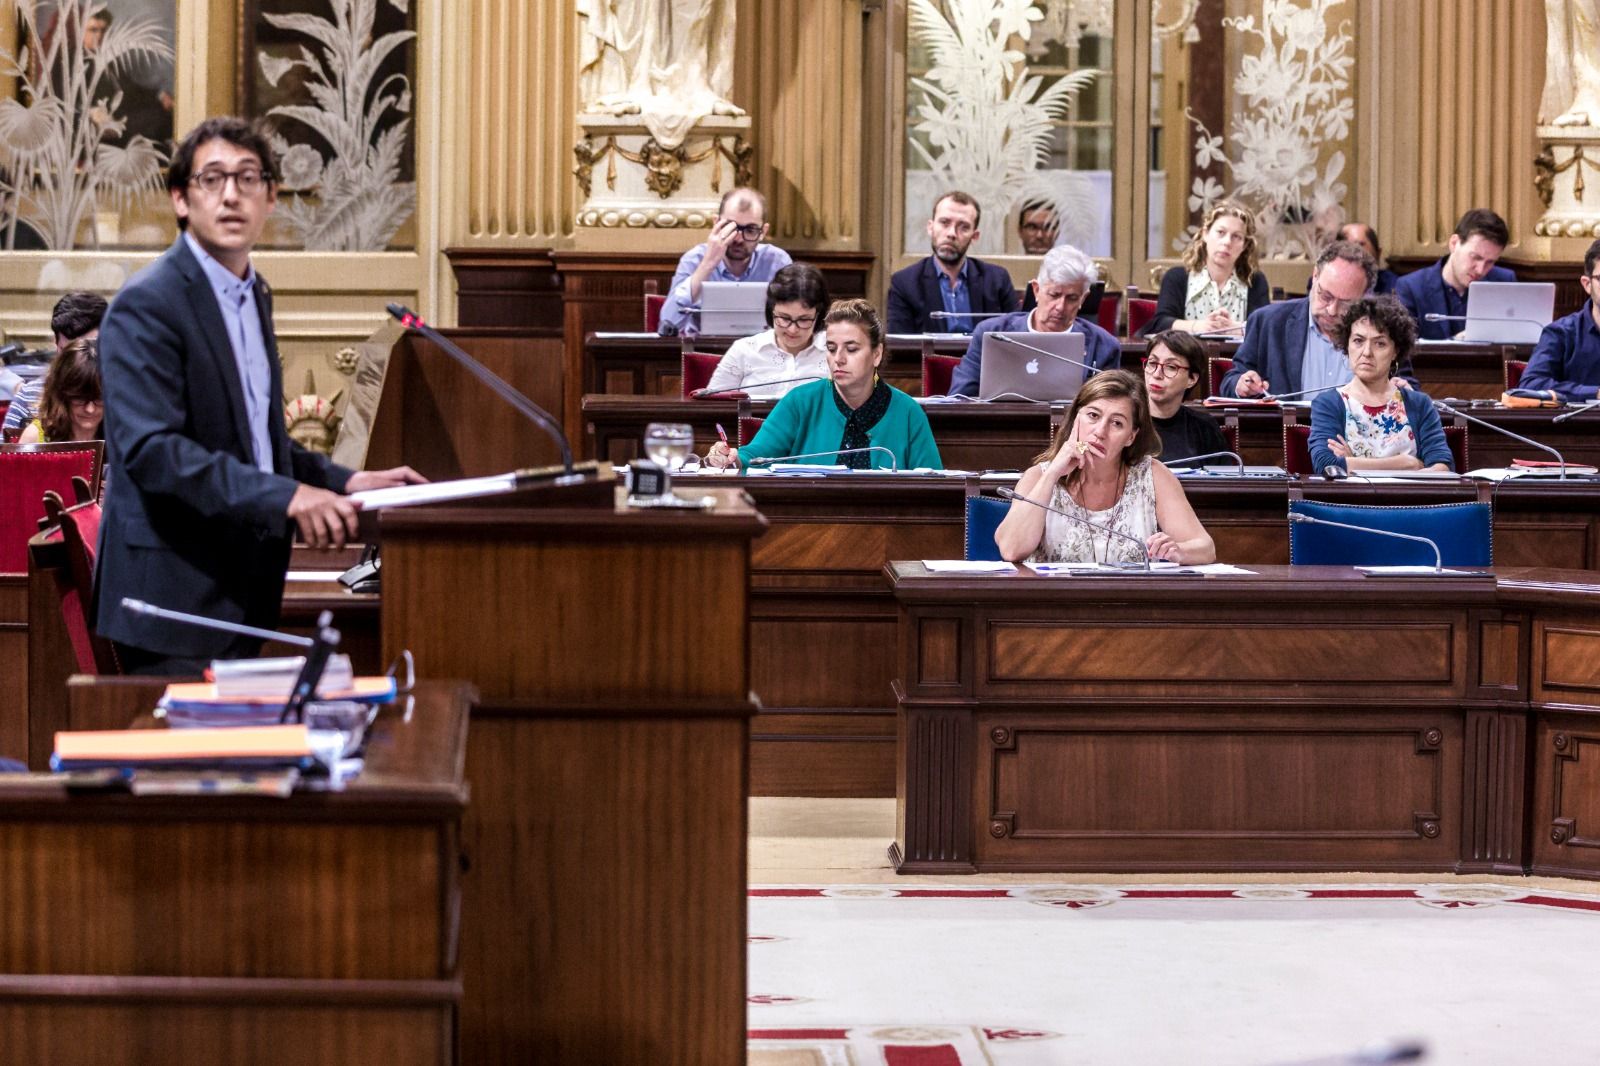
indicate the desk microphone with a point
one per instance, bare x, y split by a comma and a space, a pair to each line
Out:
966, 314
703, 394
498, 385
1445, 408
894, 465
1208, 455
1434, 316
1576, 411
150, 610
1008, 339
1305, 519
1144, 553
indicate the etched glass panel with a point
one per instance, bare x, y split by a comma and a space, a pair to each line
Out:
1013, 102
86, 97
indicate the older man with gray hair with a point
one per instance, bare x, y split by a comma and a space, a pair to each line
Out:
1064, 278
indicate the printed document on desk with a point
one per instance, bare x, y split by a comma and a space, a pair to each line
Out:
435, 492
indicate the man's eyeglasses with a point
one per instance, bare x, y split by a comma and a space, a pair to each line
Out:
751, 232
248, 181
803, 322
1322, 298
1165, 370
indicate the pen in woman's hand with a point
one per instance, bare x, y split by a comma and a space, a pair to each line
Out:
722, 433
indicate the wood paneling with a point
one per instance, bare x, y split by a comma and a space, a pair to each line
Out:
14, 611
1566, 797
1495, 792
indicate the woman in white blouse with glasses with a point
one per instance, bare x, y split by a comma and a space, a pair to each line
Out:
770, 363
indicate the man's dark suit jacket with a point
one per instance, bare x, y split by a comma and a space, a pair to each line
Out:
914, 295
190, 521
1422, 291
1275, 347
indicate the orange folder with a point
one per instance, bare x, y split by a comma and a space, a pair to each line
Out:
166, 745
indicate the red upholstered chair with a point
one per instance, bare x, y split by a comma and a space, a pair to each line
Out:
653, 303
696, 371
1109, 313
79, 530
1456, 437
27, 472
1140, 312
937, 370
1297, 448
1514, 369
749, 426
1230, 433
1216, 368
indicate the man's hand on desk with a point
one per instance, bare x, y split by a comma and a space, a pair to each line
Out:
324, 519
1251, 384
362, 480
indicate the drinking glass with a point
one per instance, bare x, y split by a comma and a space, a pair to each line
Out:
668, 444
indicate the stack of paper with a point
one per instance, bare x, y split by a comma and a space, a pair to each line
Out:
275, 678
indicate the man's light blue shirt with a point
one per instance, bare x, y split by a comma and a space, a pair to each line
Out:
957, 297
676, 316
1324, 364
236, 297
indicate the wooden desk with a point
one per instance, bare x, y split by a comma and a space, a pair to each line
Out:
321, 928
608, 756
818, 596
1297, 719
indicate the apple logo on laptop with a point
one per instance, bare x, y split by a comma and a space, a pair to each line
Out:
1032, 366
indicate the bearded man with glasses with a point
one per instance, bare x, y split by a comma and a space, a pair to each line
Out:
734, 252
205, 488
1567, 358
1288, 346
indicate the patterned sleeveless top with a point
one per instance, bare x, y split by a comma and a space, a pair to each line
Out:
1378, 435
1134, 514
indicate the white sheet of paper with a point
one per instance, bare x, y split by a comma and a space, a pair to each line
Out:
969, 566
1411, 571
434, 492
314, 575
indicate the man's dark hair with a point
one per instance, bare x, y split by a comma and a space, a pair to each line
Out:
1185, 346
1389, 315
76, 314
966, 199
1350, 253
1590, 258
799, 283
100, 16
250, 136
1372, 235
1482, 222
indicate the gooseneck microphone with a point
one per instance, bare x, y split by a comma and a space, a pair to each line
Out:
150, 610
1237, 459
1008, 339
1444, 408
1576, 411
1144, 553
498, 385
1434, 316
894, 465
709, 393
1312, 520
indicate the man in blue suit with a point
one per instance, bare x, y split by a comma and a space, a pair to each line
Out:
1287, 345
949, 282
1065, 275
205, 488
1441, 289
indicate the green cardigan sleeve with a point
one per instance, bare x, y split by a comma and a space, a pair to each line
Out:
921, 451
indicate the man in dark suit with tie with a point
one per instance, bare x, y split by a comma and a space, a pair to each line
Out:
205, 488
1288, 345
949, 282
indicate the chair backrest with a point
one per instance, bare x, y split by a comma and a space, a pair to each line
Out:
1514, 369
696, 370
1463, 531
1140, 312
984, 514
749, 426
937, 371
1217, 368
79, 530
1456, 437
1230, 433
27, 472
653, 303
1297, 449
1109, 313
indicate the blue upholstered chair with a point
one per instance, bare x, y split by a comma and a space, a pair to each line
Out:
984, 514
1463, 531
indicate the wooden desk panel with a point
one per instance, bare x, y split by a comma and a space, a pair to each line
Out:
189, 929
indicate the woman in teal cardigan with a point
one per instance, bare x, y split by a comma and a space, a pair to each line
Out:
856, 409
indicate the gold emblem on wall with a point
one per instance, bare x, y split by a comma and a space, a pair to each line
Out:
312, 421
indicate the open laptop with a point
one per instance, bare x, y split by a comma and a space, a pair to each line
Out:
1011, 372
1508, 312
733, 308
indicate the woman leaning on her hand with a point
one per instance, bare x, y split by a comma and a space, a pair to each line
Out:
1101, 468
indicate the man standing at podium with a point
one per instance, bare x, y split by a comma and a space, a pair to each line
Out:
204, 487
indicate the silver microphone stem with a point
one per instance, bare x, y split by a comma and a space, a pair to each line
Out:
1434, 316
1144, 553
894, 465
700, 394
1438, 560
1035, 348
1575, 412
152, 611
1447, 409
1239, 460
1302, 392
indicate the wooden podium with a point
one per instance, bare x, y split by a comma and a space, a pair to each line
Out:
604, 898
